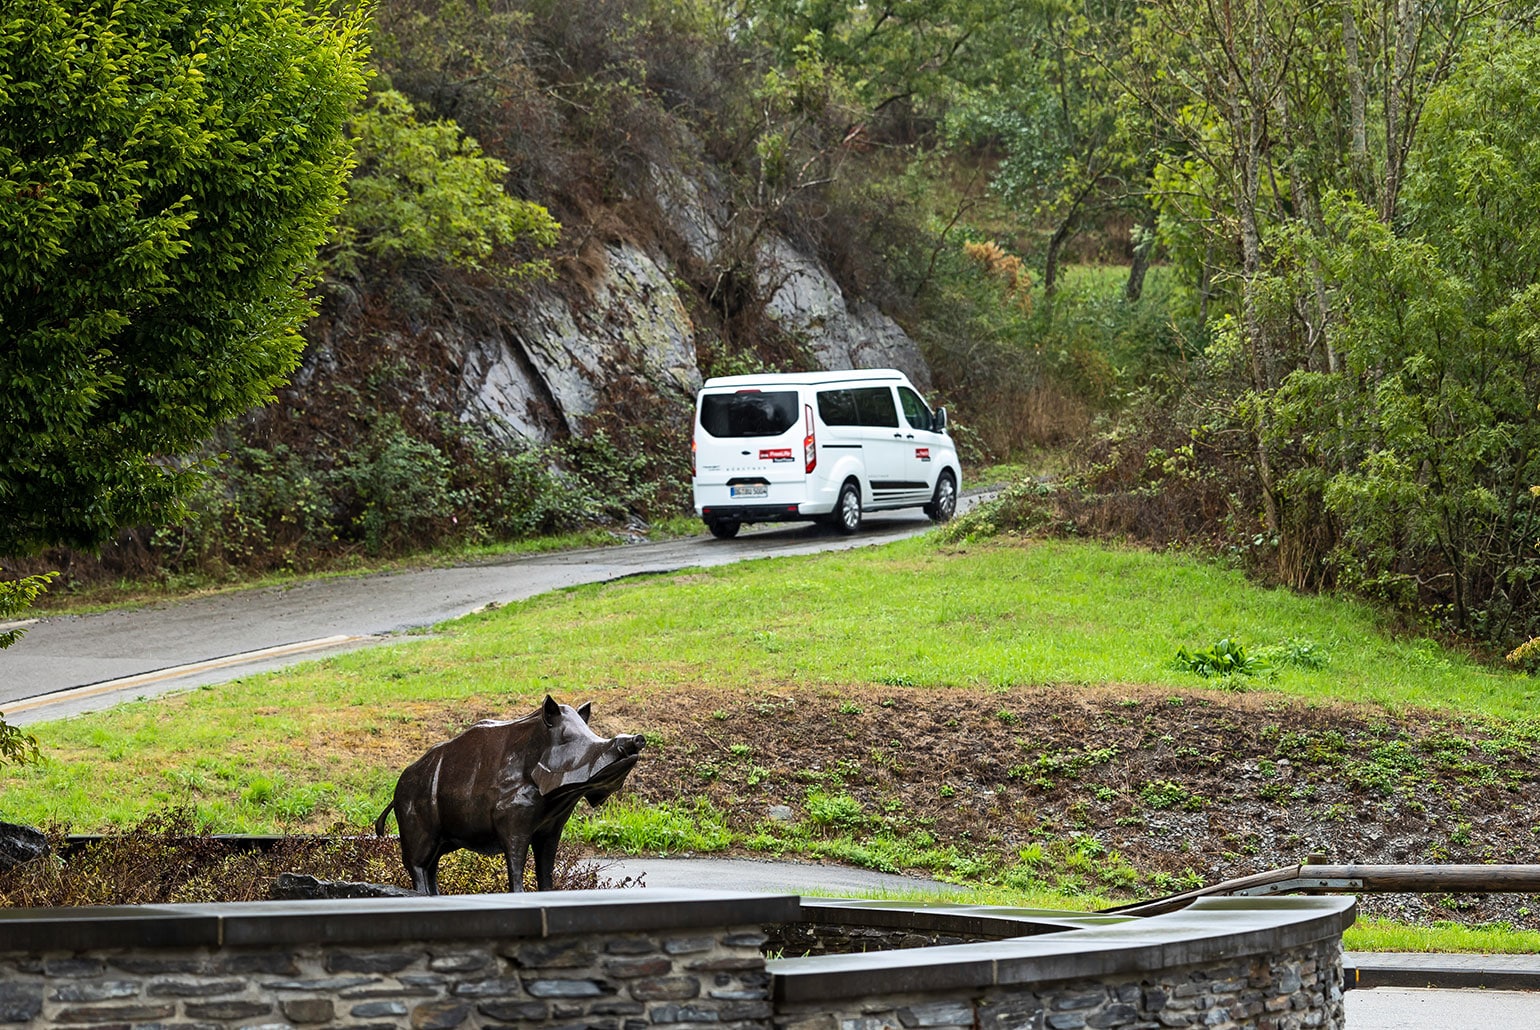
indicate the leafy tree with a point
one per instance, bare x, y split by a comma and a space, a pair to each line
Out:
1271, 106
911, 52
1060, 120
425, 190
1425, 440
169, 169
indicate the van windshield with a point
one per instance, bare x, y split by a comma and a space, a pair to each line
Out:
751, 413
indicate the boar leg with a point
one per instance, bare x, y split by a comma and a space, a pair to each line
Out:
425, 876
545, 858
421, 860
420, 849
516, 851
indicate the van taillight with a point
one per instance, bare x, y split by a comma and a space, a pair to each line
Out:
693, 447
809, 445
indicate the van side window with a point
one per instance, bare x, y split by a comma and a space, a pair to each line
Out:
838, 408
874, 405
748, 413
915, 411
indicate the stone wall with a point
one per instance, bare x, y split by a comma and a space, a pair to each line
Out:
634, 959
1223, 963
635, 980
1291, 990
359, 971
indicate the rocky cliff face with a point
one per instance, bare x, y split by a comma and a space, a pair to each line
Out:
555, 358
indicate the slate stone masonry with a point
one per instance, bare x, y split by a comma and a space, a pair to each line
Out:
1292, 990
638, 959
632, 981
1228, 963
621, 978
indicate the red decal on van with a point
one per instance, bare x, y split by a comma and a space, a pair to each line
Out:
923, 453
777, 454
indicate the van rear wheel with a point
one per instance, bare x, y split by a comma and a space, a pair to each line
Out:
846, 516
943, 504
723, 529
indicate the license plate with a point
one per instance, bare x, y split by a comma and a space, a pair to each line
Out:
750, 490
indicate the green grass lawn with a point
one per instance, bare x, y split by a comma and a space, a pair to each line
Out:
324, 742
304, 744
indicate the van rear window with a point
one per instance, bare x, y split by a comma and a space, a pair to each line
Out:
767, 413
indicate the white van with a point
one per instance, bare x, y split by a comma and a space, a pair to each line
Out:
780, 447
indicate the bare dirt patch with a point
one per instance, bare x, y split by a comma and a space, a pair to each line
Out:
1121, 789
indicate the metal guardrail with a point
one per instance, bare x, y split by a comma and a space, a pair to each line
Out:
1355, 879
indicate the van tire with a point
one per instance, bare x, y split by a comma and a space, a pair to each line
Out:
943, 504
846, 516
723, 529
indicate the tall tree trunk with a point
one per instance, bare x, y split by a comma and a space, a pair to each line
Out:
1248, 126
1398, 136
1051, 259
1360, 169
1144, 249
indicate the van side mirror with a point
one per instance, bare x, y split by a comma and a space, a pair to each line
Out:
938, 421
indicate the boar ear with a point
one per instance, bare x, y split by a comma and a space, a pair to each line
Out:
585, 710
552, 712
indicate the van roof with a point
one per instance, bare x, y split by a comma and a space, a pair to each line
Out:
772, 379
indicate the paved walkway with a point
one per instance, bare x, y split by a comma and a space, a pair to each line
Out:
1366, 969
747, 874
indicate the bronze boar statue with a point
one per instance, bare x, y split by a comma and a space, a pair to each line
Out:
502, 788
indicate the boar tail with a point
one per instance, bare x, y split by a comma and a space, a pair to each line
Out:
379, 824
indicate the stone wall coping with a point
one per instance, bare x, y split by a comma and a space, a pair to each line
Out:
960, 920
1209, 930
357, 921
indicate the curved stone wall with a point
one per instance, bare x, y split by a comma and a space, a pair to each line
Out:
628, 960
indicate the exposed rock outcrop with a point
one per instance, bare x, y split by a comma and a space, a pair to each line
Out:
541, 363
806, 302
560, 355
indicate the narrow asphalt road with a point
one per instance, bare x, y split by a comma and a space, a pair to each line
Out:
70, 664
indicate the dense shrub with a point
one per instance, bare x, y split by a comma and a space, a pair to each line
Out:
169, 857
1024, 370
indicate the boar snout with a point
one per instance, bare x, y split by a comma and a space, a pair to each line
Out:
629, 744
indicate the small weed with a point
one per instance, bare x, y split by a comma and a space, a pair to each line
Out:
719, 715
1006, 716
1295, 653
849, 708
1167, 794
259, 791
738, 749
828, 810
1224, 659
